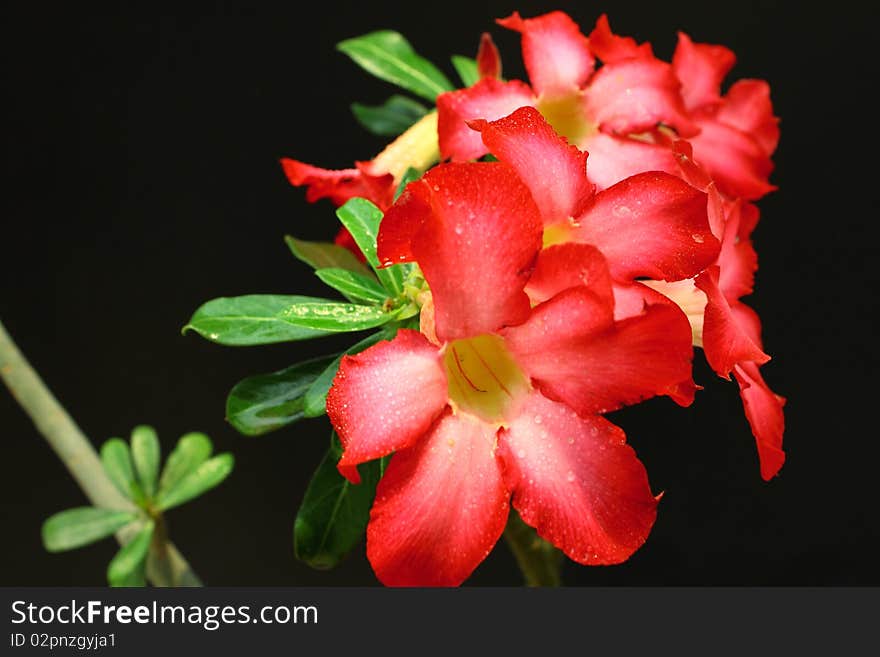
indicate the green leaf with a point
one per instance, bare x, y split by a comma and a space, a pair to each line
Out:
191, 451
362, 220
466, 67
116, 458
388, 56
390, 118
333, 515
128, 567
410, 175
315, 399
322, 255
203, 478
74, 528
266, 402
354, 287
146, 456
267, 318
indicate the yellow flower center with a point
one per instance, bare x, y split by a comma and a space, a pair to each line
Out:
566, 115
484, 380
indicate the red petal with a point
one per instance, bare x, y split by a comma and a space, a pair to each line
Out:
556, 54
747, 107
611, 48
339, 185
562, 266
635, 95
440, 507
630, 299
476, 289
738, 260
385, 397
401, 222
554, 172
763, 410
735, 159
576, 354
725, 341
701, 67
576, 481
614, 158
488, 58
651, 224
488, 99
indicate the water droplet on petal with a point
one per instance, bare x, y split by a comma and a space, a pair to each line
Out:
537, 419
696, 237
570, 476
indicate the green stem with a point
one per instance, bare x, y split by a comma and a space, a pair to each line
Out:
169, 568
539, 561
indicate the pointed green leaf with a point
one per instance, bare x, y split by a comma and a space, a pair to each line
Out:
354, 287
315, 399
74, 528
333, 515
266, 402
191, 451
116, 458
321, 255
391, 118
388, 56
410, 175
267, 318
466, 67
146, 455
362, 220
203, 478
128, 567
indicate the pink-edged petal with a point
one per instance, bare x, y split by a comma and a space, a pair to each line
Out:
488, 58
440, 507
611, 48
634, 95
737, 261
577, 482
763, 410
725, 341
701, 67
562, 266
630, 299
554, 171
556, 54
614, 158
653, 225
576, 354
735, 159
386, 397
472, 205
747, 107
341, 184
401, 222
488, 99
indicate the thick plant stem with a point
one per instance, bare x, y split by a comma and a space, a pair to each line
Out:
78, 455
540, 562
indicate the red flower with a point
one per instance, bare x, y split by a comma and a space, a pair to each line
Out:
503, 401
612, 112
738, 132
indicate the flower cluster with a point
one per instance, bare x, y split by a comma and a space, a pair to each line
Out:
575, 237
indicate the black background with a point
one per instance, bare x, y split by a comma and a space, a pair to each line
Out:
141, 179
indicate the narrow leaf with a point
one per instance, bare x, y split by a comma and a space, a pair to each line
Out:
362, 220
390, 118
146, 455
410, 175
333, 515
388, 56
315, 399
466, 67
203, 478
266, 402
321, 255
116, 458
191, 451
354, 287
267, 318
74, 528
128, 567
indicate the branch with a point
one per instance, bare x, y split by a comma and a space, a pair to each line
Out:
169, 568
